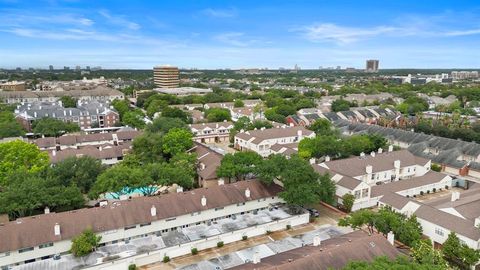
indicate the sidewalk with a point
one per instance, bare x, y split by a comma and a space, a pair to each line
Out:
327, 216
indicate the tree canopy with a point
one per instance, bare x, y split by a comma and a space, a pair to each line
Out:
85, 243
52, 127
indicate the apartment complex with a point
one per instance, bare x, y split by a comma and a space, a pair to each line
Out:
372, 65
13, 86
100, 93
462, 75
369, 177
166, 77
37, 239
85, 115
211, 132
264, 141
83, 84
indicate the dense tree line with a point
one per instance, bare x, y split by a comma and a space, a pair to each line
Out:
302, 185
329, 142
9, 127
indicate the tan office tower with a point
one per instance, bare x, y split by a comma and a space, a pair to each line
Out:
372, 65
166, 77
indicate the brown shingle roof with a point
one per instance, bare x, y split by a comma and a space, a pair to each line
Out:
333, 253
272, 133
36, 230
113, 151
210, 159
429, 178
355, 166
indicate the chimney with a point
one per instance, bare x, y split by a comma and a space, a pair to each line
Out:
369, 169
477, 222
372, 154
153, 211
35, 114
396, 164
256, 258
317, 241
100, 148
204, 201
247, 193
179, 189
202, 166
56, 229
362, 154
390, 148
47, 210
299, 134
380, 150
291, 124
391, 238
455, 196
327, 158
312, 161
221, 182
54, 153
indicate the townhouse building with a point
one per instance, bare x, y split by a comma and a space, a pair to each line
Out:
38, 239
211, 132
262, 140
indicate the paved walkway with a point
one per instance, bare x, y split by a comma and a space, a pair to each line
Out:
327, 216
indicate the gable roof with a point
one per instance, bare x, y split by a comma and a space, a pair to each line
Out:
333, 253
355, 166
35, 230
260, 135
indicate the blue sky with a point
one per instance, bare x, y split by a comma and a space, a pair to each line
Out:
240, 34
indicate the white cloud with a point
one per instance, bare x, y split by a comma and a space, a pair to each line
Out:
340, 34
119, 20
234, 39
219, 13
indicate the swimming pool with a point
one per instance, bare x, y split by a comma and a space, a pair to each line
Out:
142, 191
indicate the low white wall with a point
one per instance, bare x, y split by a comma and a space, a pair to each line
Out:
210, 242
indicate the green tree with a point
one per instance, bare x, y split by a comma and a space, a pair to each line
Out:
323, 127
238, 103
347, 201
459, 254
164, 124
166, 174
79, 171
384, 263
53, 127
147, 148
134, 119
176, 113
68, 102
120, 180
238, 165
340, 105
20, 156
218, 115
9, 127
121, 106
176, 141
156, 106
424, 253
85, 243
29, 193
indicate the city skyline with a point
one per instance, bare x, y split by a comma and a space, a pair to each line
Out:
230, 34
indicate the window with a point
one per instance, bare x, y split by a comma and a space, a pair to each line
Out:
25, 249
218, 208
145, 224
240, 204
46, 245
195, 213
439, 231
365, 192
170, 219
357, 194
130, 227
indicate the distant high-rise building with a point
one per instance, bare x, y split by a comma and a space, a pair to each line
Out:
87, 68
66, 68
339, 67
166, 76
78, 68
372, 65
50, 67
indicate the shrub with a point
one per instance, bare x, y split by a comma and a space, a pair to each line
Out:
289, 227
194, 251
434, 190
166, 259
428, 191
244, 237
220, 244
421, 193
408, 196
132, 267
